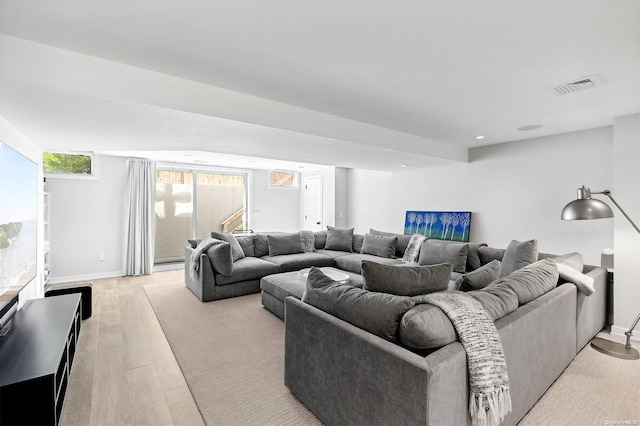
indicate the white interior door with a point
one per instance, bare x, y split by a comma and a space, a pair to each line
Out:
312, 199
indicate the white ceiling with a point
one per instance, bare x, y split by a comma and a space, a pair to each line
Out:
345, 83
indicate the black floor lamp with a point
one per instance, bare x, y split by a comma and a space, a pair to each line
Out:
586, 208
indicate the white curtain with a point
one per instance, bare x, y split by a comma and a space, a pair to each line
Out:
140, 216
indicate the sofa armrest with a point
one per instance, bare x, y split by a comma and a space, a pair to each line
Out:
591, 311
345, 374
203, 284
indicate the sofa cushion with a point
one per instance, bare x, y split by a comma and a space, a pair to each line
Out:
248, 268
353, 262
531, 281
283, 285
438, 251
480, 278
221, 258
297, 261
260, 245
412, 252
379, 245
403, 240
517, 255
405, 279
236, 249
377, 313
487, 254
284, 244
426, 327
473, 256
246, 242
333, 253
358, 240
340, 239
498, 300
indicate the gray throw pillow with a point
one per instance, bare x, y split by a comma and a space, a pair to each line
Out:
339, 239
517, 255
405, 280
497, 300
480, 278
284, 244
473, 256
437, 251
379, 245
236, 250
531, 281
358, 240
412, 252
260, 245
246, 242
377, 313
320, 239
221, 258
194, 243
487, 254
403, 240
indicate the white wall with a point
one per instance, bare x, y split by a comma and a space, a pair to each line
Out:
87, 219
514, 191
625, 190
273, 209
16, 140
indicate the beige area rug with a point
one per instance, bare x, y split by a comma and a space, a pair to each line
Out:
231, 353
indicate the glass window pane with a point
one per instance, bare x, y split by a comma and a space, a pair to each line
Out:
174, 212
220, 202
61, 163
283, 179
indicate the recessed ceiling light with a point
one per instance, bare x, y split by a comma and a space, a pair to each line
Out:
530, 127
479, 137
404, 166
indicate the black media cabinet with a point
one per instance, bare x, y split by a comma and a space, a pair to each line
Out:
35, 360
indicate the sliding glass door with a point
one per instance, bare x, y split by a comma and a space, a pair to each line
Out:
190, 204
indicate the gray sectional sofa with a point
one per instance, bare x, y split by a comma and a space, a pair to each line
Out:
348, 373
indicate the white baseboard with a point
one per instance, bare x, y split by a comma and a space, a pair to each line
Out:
168, 267
87, 277
619, 331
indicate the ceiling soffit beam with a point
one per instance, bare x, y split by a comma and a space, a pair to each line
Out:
80, 74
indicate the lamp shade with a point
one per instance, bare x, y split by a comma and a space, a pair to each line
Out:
586, 208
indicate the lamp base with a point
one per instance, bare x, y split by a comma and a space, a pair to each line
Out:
618, 350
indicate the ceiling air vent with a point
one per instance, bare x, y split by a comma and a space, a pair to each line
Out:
575, 86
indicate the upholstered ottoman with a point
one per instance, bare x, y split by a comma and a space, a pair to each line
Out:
276, 287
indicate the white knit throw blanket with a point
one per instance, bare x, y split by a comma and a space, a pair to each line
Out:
489, 398
194, 264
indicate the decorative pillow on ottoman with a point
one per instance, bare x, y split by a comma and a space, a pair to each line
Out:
339, 239
405, 280
480, 278
379, 245
378, 313
517, 255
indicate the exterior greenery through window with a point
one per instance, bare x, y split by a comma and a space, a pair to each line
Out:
283, 179
67, 163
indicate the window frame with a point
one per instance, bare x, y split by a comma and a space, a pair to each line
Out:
80, 176
296, 178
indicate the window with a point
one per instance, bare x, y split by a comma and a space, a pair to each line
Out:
283, 179
69, 164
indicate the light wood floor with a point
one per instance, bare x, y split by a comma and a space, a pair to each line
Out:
124, 372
